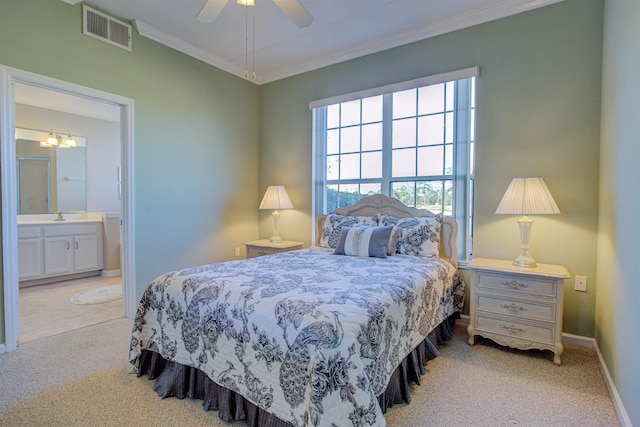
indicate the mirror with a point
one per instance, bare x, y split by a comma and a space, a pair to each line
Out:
50, 179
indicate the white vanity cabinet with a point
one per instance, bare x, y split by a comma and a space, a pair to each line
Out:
30, 265
59, 249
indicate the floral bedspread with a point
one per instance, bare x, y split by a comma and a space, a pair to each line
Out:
308, 336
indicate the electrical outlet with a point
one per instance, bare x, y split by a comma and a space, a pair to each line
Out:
581, 283
237, 251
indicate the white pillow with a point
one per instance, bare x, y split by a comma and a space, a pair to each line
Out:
334, 223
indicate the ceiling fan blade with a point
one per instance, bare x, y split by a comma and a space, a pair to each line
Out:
211, 10
295, 11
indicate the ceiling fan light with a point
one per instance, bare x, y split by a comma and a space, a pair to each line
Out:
247, 3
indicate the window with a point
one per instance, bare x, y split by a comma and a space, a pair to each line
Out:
412, 141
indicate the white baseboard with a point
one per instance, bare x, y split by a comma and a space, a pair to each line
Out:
613, 391
578, 340
110, 273
2, 348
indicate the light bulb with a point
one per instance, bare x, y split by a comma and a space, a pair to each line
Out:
70, 141
52, 140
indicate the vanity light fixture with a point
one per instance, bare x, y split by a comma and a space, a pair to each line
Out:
527, 196
54, 140
51, 140
276, 198
70, 141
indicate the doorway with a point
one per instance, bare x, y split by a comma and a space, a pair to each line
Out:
8, 163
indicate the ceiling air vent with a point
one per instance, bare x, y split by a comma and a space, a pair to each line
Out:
103, 27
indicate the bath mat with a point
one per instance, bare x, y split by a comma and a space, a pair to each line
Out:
98, 295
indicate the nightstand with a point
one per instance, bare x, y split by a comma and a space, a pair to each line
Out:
516, 306
258, 248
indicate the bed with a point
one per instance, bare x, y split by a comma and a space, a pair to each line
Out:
329, 335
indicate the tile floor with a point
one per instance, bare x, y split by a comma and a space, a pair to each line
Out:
46, 310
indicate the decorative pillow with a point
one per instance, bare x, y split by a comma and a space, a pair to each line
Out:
420, 236
384, 220
334, 223
364, 241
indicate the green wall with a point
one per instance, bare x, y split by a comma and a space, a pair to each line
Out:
618, 292
538, 113
196, 157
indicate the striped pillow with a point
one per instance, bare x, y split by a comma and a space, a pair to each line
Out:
364, 241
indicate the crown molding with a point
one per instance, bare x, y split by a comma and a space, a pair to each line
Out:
180, 45
496, 11
455, 23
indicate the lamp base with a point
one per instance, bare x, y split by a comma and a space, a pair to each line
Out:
275, 238
527, 262
524, 259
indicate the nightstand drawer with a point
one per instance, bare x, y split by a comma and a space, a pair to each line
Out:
256, 252
516, 308
258, 248
514, 329
517, 284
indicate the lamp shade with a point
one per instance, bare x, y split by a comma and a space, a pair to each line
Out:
527, 196
276, 197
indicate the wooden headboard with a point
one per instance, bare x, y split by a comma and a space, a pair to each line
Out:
369, 206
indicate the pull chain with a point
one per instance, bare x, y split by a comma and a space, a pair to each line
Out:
253, 47
246, 43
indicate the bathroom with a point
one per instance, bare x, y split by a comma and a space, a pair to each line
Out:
79, 185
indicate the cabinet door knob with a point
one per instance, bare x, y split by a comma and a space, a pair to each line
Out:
68, 246
76, 244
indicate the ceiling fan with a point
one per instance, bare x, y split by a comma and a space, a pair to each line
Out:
292, 8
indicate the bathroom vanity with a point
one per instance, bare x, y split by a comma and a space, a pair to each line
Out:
50, 249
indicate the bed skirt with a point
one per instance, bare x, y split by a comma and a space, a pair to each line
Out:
175, 380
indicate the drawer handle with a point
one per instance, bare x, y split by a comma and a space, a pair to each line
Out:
514, 308
514, 284
513, 329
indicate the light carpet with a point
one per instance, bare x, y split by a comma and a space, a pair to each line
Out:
82, 378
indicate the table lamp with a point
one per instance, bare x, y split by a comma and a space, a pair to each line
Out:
527, 196
276, 198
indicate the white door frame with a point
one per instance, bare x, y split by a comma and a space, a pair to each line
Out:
8, 77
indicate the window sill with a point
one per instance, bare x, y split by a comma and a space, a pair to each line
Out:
464, 265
